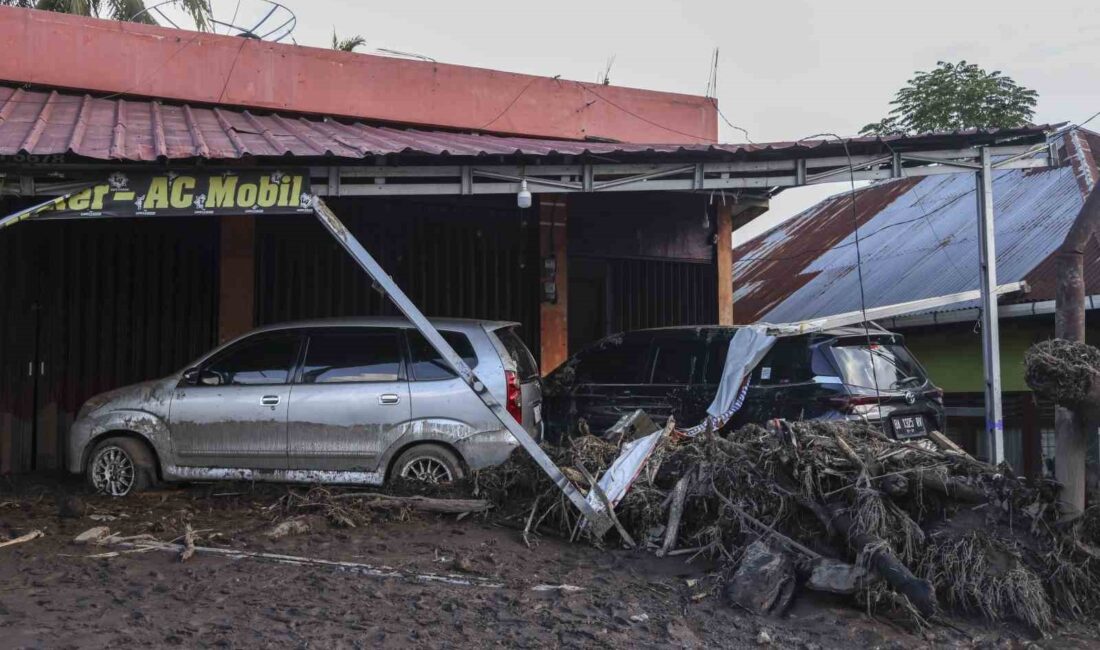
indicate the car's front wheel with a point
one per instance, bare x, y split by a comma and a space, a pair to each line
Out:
120, 466
429, 463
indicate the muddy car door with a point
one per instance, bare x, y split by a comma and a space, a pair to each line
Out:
231, 411
675, 388
350, 396
612, 379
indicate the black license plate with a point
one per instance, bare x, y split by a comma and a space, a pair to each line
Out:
909, 426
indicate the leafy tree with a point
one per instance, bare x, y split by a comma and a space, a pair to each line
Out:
347, 44
126, 10
955, 97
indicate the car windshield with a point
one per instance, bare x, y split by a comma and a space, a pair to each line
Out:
881, 366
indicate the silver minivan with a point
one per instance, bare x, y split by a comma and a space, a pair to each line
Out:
353, 401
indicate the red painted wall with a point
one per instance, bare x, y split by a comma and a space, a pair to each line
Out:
63, 51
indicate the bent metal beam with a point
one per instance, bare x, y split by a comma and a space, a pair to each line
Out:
599, 519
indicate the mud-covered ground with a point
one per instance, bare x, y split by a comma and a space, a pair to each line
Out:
54, 594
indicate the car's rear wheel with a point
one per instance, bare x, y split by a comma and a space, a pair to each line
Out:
429, 463
121, 466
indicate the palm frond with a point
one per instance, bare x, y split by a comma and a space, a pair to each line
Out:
347, 44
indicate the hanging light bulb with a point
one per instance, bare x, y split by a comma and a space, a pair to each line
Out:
523, 198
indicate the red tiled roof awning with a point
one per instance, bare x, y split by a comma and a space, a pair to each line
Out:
49, 122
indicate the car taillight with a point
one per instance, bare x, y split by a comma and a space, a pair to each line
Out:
513, 401
845, 403
936, 394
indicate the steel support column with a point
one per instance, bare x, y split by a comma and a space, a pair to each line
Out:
598, 519
991, 339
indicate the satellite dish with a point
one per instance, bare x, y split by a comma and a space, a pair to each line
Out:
264, 20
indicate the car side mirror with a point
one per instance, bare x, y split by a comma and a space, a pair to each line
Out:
191, 376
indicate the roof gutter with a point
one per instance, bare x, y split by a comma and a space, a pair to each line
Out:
1019, 310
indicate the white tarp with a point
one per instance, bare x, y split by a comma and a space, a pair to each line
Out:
620, 476
747, 347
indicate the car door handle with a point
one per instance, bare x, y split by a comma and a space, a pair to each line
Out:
269, 400
389, 398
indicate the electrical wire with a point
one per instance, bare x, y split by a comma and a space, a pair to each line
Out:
640, 117
859, 266
511, 103
731, 124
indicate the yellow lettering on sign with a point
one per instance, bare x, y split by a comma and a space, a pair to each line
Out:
268, 193
221, 192
181, 194
80, 200
297, 188
284, 191
98, 193
157, 196
246, 195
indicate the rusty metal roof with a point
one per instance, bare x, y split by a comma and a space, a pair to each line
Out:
918, 239
49, 122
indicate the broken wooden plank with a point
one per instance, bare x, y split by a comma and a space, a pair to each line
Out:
427, 504
675, 512
34, 534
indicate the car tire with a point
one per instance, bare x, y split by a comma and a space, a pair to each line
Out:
121, 466
429, 463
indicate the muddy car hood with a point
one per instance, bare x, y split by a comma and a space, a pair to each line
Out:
152, 396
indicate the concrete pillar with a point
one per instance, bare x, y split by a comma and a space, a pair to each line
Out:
724, 258
237, 273
554, 310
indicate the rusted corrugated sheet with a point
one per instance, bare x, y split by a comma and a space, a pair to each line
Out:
115, 128
918, 239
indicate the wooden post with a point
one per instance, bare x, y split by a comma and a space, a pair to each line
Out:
724, 259
554, 310
236, 276
1071, 429
1032, 439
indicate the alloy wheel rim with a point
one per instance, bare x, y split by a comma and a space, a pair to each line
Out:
426, 469
113, 472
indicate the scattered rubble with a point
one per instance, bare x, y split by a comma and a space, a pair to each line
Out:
907, 529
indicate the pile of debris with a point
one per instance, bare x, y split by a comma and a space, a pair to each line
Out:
913, 528
1065, 372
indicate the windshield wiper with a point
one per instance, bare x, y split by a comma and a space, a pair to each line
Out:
903, 381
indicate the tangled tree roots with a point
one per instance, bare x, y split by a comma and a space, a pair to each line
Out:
927, 521
982, 574
1062, 371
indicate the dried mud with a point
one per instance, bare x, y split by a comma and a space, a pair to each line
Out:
52, 594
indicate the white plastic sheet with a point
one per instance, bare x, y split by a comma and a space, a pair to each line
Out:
747, 347
620, 476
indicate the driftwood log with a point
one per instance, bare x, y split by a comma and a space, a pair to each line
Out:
380, 501
883, 561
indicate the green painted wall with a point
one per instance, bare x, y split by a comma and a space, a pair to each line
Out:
952, 354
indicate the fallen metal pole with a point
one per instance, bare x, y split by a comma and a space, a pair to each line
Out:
35, 210
991, 339
598, 518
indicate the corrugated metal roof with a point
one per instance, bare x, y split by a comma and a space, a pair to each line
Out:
918, 239
41, 122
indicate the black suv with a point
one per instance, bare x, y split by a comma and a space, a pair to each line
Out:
676, 371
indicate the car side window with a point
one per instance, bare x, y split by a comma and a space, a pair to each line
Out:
615, 361
264, 359
339, 357
718, 349
426, 364
677, 361
788, 362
